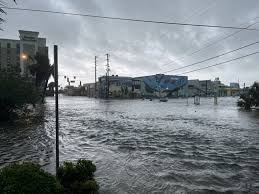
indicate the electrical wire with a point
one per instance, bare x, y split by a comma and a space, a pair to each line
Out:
209, 66
212, 43
208, 59
155, 22
129, 19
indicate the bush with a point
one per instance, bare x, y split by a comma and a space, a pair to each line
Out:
15, 92
27, 178
251, 98
90, 187
78, 178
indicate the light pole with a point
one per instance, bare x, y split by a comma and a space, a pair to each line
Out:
56, 104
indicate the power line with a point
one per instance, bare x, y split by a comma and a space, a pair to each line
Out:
208, 59
200, 11
214, 42
219, 63
74, 75
196, 13
95, 74
130, 19
224, 38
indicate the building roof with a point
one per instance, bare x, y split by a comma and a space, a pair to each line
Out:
8, 39
117, 77
27, 31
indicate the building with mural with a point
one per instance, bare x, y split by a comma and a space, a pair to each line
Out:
159, 85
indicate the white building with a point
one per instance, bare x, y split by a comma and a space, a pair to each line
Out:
18, 54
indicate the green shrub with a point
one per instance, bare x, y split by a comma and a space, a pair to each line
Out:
251, 98
86, 169
89, 186
27, 178
15, 92
78, 177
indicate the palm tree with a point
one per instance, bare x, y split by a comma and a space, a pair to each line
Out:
42, 71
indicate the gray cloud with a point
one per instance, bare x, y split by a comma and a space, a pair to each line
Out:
140, 49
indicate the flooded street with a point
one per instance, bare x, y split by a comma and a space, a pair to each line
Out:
142, 146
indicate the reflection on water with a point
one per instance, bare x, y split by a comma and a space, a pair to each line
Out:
147, 147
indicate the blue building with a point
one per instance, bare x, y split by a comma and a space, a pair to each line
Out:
165, 85
158, 85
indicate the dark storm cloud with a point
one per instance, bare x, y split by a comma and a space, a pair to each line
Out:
140, 49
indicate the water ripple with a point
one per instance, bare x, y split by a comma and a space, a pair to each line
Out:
147, 147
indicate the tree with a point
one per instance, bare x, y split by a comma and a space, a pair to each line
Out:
27, 178
78, 178
251, 98
42, 70
16, 92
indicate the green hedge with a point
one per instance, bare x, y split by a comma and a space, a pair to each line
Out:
27, 178
15, 93
251, 98
78, 177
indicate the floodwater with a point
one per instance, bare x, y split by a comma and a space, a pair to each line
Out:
142, 146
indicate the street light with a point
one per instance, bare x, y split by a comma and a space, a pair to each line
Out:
69, 80
27, 60
24, 57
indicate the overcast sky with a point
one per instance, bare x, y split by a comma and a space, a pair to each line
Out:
142, 48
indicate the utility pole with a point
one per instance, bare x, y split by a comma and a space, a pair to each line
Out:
56, 102
107, 76
187, 93
206, 88
215, 94
95, 69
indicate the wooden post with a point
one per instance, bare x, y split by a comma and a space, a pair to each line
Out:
108, 76
56, 103
95, 85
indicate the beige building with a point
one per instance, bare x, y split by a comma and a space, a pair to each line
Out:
19, 54
89, 90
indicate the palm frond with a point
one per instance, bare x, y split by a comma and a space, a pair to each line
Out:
3, 4
2, 11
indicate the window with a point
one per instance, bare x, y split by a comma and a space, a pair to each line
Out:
17, 48
8, 48
8, 60
137, 86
